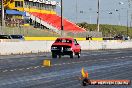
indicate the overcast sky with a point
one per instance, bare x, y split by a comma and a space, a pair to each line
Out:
89, 9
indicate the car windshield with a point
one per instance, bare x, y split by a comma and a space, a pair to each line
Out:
63, 40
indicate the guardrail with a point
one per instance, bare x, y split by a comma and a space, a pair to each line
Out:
21, 47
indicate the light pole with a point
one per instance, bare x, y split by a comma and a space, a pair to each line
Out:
2, 16
110, 13
119, 23
130, 24
98, 15
62, 26
120, 3
2, 10
90, 15
76, 11
119, 18
127, 23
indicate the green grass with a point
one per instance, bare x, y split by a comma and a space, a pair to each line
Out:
107, 30
30, 32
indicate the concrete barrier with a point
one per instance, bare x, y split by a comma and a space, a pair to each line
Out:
7, 48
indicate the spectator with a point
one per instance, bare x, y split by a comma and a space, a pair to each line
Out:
87, 37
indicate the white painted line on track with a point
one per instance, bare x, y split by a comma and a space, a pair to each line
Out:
5, 71
21, 69
55, 64
95, 54
130, 56
115, 58
63, 63
15, 69
73, 62
42, 66
30, 67
36, 67
102, 75
66, 64
11, 70
27, 68
116, 75
59, 64
77, 62
116, 67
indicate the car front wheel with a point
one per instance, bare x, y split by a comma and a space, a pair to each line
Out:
54, 55
59, 56
72, 55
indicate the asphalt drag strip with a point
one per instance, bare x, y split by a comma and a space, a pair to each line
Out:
65, 72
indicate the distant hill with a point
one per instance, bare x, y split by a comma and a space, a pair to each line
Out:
107, 30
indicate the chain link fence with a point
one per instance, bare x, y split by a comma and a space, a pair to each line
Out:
85, 34
37, 32
15, 27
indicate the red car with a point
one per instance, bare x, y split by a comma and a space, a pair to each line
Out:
65, 46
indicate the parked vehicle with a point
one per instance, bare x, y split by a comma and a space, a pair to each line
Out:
5, 37
12, 37
17, 37
122, 37
65, 46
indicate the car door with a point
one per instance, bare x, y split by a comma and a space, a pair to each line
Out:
77, 46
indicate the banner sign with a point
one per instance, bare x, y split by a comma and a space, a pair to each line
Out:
45, 1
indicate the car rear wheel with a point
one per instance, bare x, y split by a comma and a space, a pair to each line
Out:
59, 56
54, 55
79, 55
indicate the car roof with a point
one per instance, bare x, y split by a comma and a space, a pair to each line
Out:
66, 38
